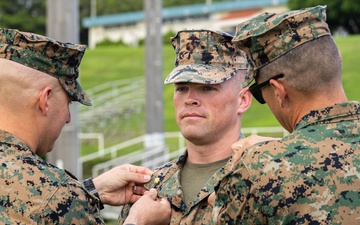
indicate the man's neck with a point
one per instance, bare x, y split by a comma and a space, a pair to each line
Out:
304, 106
209, 153
20, 127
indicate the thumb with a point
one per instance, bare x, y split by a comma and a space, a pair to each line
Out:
137, 177
165, 202
152, 193
141, 169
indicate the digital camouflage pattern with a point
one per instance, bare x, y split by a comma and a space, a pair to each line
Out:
60, 60
202, 56
268, 36
205, 56
35, 192
311, 176
166, 180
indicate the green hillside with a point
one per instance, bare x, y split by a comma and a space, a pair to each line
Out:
110, 63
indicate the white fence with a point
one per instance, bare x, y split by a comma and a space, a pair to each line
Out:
116, 101
117, 158
140, 155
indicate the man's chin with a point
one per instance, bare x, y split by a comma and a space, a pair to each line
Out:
41, 152
195, 138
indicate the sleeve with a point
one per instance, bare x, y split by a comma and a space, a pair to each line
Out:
237, 200
125, 210
71, 203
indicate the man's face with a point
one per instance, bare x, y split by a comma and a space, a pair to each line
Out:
58, 115
207, 112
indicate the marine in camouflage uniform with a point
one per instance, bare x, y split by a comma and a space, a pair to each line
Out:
205, 57
311, 176
33, 191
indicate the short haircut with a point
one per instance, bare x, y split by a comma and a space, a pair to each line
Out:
310, 68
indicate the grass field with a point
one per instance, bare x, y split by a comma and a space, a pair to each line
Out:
109, 63
105, 64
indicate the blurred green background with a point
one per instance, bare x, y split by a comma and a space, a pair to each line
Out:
107, 63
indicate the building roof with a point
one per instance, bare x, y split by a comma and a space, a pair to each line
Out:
179, 12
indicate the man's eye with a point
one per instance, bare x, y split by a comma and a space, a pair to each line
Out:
208, 88
180, 89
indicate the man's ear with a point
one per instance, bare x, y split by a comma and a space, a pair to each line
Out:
245, 99
280, 92
44, 96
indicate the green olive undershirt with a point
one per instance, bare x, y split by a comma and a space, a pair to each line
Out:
194, 176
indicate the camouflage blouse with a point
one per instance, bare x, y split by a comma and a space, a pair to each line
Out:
311, 176
166, 180
33, 191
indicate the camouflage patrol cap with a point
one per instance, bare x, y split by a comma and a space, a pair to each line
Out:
268, 36
60, 60
205, 56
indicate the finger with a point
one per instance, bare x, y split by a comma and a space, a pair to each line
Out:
211, 199
237, 145
152, 193
134, 177
235, 159
139, 190
165, 202
134, 198
142, 170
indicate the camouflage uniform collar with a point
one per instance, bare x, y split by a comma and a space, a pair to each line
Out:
169, 182
334, 113
9, 138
